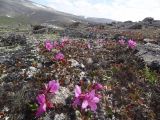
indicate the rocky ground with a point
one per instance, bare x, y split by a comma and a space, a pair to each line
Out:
131, 77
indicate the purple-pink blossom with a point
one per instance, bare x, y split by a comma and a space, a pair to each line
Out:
52, 87
85, 100
77, 91
59, 56
48, 45
65, 39
55, 44
89, 46
42, 105
97, 86
121, 42
131, 44
90, 100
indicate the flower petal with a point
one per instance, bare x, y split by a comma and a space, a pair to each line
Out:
84, 104
53, 86
97, 86
93, 106
41, 110
41, 99
76, 102
77, 91
92, 94
59, 56
95, 100
48, 45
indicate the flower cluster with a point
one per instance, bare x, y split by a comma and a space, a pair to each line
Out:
52, 87
59, 56
88, 99
57, 45
48, 45
131, 43
85, 100
121, 42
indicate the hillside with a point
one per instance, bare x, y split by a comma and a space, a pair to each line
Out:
36, 13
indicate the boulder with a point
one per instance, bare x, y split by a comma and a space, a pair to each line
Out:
150, 53
13, 39
135, 26
148, 40
61, 96
148, 20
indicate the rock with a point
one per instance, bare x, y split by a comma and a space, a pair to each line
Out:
14, 76
3, 59
89, 60
60, 117
116, 37
61, 96
78, 115
32, 71
155, 65
13, 39
39, 29
74, 63
82, 75
148, 19
47, 117
39, 65
150, 53
135, 26
147, 40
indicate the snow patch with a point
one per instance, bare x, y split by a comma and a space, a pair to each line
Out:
51, 26
9, 16
73, 21
38, 5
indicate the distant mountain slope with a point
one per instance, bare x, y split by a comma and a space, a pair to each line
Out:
36, 13
99, 20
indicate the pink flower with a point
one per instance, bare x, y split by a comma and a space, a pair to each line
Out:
59, 56
97, 86
85, 99
89, 46
121, 42
52, 87
62, 42
132, 44
55, 44
48, 45
42, 102
65, 39
77, 91
90, 100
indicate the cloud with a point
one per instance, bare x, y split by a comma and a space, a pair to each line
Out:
122, 10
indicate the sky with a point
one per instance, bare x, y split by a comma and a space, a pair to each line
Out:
120, 10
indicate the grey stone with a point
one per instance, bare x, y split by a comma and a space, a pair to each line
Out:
150, 53
60, 117
13, 39
147, 40
61, 96
89, 60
